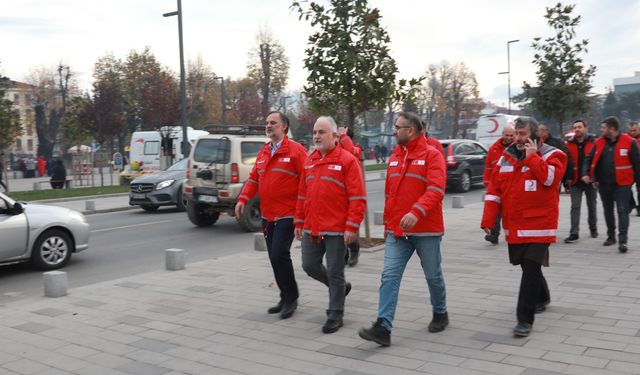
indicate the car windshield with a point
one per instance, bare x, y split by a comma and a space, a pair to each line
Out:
179, 166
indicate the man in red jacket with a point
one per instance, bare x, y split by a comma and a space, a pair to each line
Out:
275, 177
495, 153
525, 189
634, 132
331, 205
414, 189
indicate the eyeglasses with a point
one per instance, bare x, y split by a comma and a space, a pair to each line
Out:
402, 127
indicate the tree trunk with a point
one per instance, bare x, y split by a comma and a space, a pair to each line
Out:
265, 59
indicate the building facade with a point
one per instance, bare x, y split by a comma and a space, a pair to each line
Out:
627, 84
21, 94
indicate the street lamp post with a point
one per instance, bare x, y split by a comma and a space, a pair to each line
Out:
183, 116
223, 100
508, 72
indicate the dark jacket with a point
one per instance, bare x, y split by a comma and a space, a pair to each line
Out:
59, 173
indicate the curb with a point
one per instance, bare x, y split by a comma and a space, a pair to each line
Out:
71, 199
107, 210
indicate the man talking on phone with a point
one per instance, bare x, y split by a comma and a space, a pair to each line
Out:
525, 188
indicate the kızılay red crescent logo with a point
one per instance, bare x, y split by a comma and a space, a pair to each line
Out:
139, 140
495, 127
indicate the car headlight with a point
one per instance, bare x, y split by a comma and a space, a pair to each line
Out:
164, 184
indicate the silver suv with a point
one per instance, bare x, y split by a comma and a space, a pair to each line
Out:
219, 164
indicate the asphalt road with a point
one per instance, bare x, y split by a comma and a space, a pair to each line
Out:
131, 242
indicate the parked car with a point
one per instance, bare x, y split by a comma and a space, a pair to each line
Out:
465, 163
43, 235
219, 165
160, 189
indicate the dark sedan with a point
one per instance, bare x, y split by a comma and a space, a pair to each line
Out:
160, 189
465, 163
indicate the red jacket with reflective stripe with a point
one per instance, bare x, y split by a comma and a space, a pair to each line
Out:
434, 142
527, 193
416, 179
331, 197
572, 146
621, 159
495, 152
276, 179
347, 144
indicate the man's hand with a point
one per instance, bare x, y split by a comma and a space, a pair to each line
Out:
586, 179
298, 234
342, 130
531, 147
350, 237
408, 221
487, 230
239, 209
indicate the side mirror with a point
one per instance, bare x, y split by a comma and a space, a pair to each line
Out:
17, 209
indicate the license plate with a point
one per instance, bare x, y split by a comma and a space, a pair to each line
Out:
208, 198
139, 196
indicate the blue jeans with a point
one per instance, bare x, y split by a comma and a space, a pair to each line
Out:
397, 252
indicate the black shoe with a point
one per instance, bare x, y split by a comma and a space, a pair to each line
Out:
594, 233
332, 325
609, 242
347, 288
622, 247
377, 333
288, 309
522, 329
638, 212
491, 238
542, 306
439, 322
276, 309
572, 238
353, 258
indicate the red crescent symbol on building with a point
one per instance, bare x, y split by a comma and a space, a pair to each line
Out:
496, 125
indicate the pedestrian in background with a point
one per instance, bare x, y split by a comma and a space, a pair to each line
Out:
546, 137
495, 153
331, 205
525, 189
414, 189
59, 175
275, 177
634, 131
579, 146
42, 166
613, 165
30, 167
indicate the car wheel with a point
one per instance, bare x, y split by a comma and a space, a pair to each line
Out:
149, 208
180, 204
251, 218
465, 182
52, 250
201, 215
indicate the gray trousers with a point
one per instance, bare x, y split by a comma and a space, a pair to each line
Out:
313, 250
576, 203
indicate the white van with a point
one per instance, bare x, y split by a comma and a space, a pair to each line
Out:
145, 150
489, 128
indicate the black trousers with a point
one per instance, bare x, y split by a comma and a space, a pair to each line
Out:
621, 197
279, 236
533, 285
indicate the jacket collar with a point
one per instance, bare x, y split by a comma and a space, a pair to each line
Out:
415, 149
330, 157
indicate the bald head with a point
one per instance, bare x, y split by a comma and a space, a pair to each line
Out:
508, 134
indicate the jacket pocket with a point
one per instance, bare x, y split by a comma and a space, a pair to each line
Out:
535, 212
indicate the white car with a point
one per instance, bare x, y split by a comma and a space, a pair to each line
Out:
43, 235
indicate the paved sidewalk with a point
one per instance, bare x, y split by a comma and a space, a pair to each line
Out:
211, 318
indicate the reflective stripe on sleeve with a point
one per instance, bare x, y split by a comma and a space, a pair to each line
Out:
493, 198
550, 175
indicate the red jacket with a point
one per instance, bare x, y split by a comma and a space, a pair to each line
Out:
621, 160
346, 143
495, 152
527, 193
416, 179
572, 146
331, 198
276, 179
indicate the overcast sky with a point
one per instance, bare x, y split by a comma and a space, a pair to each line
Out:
78, 32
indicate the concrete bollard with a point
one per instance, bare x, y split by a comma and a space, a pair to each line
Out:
175, 259
90, 205
36, 186
378, 218
457, 201
259, 242
55, 283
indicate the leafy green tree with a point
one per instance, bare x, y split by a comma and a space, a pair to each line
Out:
350, 68
10, 127
74, 129
563, 81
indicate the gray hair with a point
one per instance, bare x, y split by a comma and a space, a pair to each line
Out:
331, 121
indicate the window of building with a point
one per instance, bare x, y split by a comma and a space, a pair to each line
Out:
19, 144
30, 129
16, 99
30, 144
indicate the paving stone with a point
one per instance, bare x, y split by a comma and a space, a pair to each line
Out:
33, 327
203, 289
343, 351
133, 320
168, 310
130, 284
533, 371
139, 368
500, 339
87, 303
153, 345
50, 312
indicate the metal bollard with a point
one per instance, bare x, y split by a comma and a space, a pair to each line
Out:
259, 242
36, 186
457, 201
175, 259
90, 205
378, 218
67, 184
55, 283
